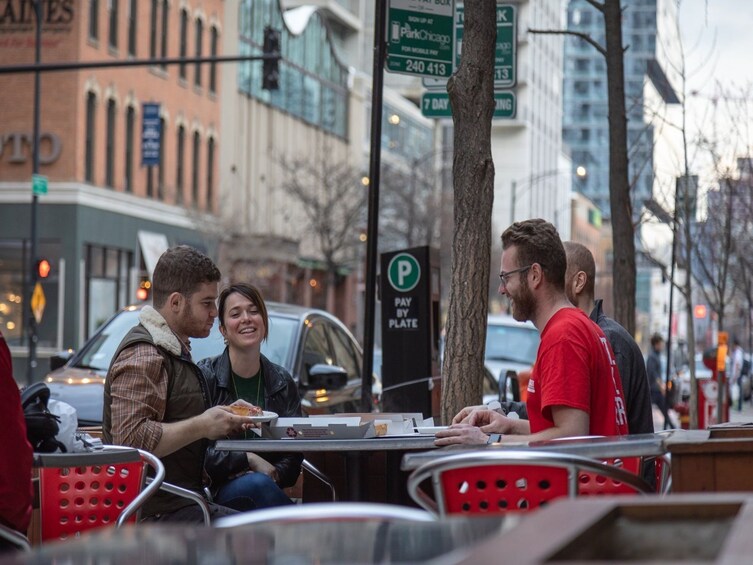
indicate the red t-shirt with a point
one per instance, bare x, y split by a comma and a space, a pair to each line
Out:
575, 367
15, 462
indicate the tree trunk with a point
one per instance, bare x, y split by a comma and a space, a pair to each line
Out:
623, 268
471, 92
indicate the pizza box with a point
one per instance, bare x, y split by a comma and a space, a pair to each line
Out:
326, 427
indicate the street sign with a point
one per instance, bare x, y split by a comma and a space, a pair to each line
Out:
151, 135
38, 302
420, 37
403, 272
38, 184
437, 105
505, 58
506, 47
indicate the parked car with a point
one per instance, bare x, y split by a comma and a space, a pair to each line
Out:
510, 346
312, 344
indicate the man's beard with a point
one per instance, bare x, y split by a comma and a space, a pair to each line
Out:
523, 304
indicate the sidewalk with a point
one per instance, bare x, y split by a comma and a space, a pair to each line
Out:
745, 415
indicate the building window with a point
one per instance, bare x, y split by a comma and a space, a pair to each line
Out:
213, 45
165, 22
153, 29
106, 284
94, 19
113, 31
91, 114
132, 19
179, 174
161, 169
210, 174
199, 33
110, 150
195, 175
128, 173
183, 42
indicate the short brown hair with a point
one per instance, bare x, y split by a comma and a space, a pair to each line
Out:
656, 338
538, 242
580, 258
250, 292
181, 269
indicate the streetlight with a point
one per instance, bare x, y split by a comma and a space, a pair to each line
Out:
529, 183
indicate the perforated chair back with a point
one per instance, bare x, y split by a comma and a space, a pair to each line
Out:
84, 491
326, 511
505, 480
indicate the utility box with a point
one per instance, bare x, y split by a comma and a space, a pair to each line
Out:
409, 290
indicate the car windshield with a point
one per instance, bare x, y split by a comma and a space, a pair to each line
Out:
511, 343
99, 351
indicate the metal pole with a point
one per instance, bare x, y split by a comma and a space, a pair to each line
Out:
380, 21
32, 323
513, 191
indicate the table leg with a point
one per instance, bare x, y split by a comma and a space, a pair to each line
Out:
353, 476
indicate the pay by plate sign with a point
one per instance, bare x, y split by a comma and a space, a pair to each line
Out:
420, 37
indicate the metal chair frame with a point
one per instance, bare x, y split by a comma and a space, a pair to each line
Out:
318, 511
316, 472
15, 538
574, 465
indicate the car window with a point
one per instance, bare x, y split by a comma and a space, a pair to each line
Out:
100, 349
316, 346
345, 355
276, 347
512, 343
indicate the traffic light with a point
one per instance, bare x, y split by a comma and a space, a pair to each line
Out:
43, 268
270, 79
144, 290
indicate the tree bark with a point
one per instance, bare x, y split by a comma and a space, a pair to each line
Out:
471, 92
623, 238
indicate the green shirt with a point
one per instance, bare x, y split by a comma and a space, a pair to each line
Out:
251, 390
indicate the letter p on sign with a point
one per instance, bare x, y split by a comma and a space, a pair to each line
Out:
403, 272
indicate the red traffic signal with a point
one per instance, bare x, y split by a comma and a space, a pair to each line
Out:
43, 268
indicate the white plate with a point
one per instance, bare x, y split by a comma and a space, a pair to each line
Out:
265, 417
430, 430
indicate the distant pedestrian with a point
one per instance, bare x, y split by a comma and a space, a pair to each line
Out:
656, 379
736, 373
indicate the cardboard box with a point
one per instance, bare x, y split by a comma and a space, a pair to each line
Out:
329, 427
386, 423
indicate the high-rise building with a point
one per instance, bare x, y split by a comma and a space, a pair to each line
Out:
649, 34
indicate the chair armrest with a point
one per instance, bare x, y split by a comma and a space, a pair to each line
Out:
152, 485
14, 537
191, 495
419, 495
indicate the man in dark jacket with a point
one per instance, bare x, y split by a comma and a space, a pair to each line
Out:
156, 398
579, 285
656, 379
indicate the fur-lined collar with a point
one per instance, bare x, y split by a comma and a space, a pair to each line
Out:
161, 333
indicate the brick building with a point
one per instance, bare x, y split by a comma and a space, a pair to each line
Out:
106, 217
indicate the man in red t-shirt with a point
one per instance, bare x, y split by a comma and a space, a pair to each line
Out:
574, 389
15, 463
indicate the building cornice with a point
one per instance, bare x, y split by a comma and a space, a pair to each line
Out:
78, 194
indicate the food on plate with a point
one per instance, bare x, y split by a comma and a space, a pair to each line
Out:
381, 429
246, 410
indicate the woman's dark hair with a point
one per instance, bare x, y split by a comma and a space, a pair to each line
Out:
250, 292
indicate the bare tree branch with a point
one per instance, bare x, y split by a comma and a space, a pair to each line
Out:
584, 36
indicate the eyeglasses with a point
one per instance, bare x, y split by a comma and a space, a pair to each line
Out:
503, 277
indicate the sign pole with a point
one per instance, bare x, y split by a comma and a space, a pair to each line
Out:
372, 230
31, 328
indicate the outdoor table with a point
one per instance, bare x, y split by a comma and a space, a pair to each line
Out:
352, 450
638, 445
322, 541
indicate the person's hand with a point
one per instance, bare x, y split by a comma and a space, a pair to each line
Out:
460, 434
219, 422
462, 416
261, 465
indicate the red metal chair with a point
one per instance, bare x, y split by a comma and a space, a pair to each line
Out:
83, 491
506, 480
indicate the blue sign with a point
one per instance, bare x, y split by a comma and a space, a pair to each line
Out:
151, 135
